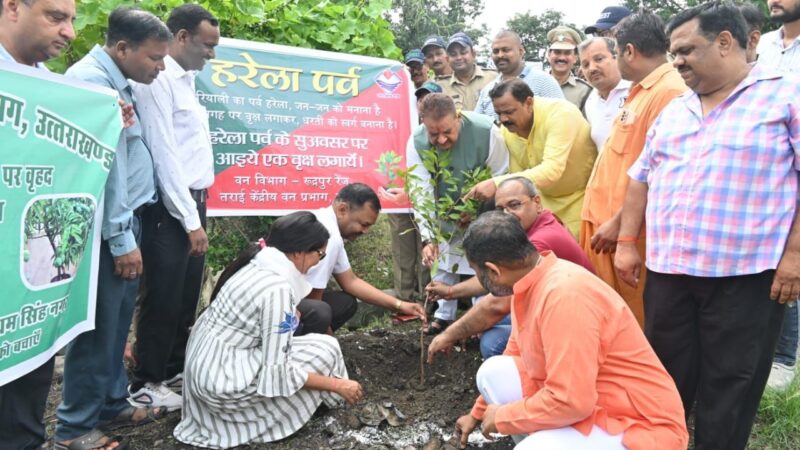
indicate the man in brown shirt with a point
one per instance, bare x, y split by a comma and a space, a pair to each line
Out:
465, 85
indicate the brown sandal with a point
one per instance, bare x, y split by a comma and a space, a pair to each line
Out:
93, 440
125, 418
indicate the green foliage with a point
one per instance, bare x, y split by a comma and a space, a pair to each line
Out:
533, 28
414, 20
355, 26
389, 165
65, 223
447, 210
228, 236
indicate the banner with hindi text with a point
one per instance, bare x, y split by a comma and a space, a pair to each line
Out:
291, 126
59, 139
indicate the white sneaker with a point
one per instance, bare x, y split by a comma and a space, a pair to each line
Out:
175, 384
780, 377
155, 395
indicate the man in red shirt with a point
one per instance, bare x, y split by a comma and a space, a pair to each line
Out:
578, 372
516, 196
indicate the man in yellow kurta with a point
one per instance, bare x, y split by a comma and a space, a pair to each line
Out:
550, 143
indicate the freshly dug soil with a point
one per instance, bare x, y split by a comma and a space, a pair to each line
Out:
396, 413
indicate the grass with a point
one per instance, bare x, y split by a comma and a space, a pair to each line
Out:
777, 424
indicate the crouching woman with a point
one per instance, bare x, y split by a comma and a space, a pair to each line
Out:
247, 378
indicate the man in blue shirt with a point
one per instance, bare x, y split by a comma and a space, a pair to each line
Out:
95, 381
508, 56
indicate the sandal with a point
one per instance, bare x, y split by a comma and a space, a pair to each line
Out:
93, 440
436, 326
125, 418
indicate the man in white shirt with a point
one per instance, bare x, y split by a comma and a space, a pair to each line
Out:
781, 49
354, 210
598, 56
30, 34
175, 127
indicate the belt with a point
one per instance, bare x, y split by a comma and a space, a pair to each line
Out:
200, 195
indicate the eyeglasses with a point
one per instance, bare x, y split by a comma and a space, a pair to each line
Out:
321, 254
513, 205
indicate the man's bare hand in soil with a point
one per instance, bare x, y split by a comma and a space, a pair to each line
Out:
464, 426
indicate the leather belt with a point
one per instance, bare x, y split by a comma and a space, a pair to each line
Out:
200, 195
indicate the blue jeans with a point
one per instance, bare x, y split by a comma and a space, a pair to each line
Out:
95, 381
494, 340
786, 351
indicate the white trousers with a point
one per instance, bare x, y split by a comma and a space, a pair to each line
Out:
447, 308
498, 381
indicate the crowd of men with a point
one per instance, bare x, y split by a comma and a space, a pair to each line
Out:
641, 265
671, 159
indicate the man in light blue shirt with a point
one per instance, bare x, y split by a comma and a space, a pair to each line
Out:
508, 56
95, 381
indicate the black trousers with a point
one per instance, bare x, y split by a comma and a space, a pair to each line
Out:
716, 338
171, 289
22, 406
335, 308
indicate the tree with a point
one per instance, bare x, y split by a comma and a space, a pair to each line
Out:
414, 20
668, 8
533, 28
354, 26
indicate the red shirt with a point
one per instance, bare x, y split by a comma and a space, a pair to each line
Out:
547, 234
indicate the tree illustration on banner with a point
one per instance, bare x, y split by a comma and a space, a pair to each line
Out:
64, 223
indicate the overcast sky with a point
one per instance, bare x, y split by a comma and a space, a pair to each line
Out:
579, 12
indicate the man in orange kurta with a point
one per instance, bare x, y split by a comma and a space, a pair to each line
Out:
578, 372
642, 60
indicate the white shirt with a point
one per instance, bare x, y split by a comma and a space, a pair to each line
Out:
772, 52
5, 56
175, 128
601, 112
496, 161
336, 260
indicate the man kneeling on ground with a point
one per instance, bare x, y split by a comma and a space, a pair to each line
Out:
516, 196
578, 372
352, 213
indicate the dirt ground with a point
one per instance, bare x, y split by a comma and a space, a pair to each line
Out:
396, 413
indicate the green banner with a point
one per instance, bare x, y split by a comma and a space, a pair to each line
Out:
58, 142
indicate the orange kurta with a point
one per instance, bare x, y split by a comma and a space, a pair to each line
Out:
583, 361
605, 192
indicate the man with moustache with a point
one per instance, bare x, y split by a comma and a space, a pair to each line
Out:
471, 141
643, 62
549, 142
562, 56
781, 49
468, 79
415, 63
718, 183
175, 128
95, 380
508, 56
436, 57
577, 373
31, 32
599, 64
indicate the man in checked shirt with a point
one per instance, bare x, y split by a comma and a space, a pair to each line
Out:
718, 183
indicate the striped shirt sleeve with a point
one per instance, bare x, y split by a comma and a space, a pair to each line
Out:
279, 377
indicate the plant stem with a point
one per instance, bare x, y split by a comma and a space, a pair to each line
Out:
422, 348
